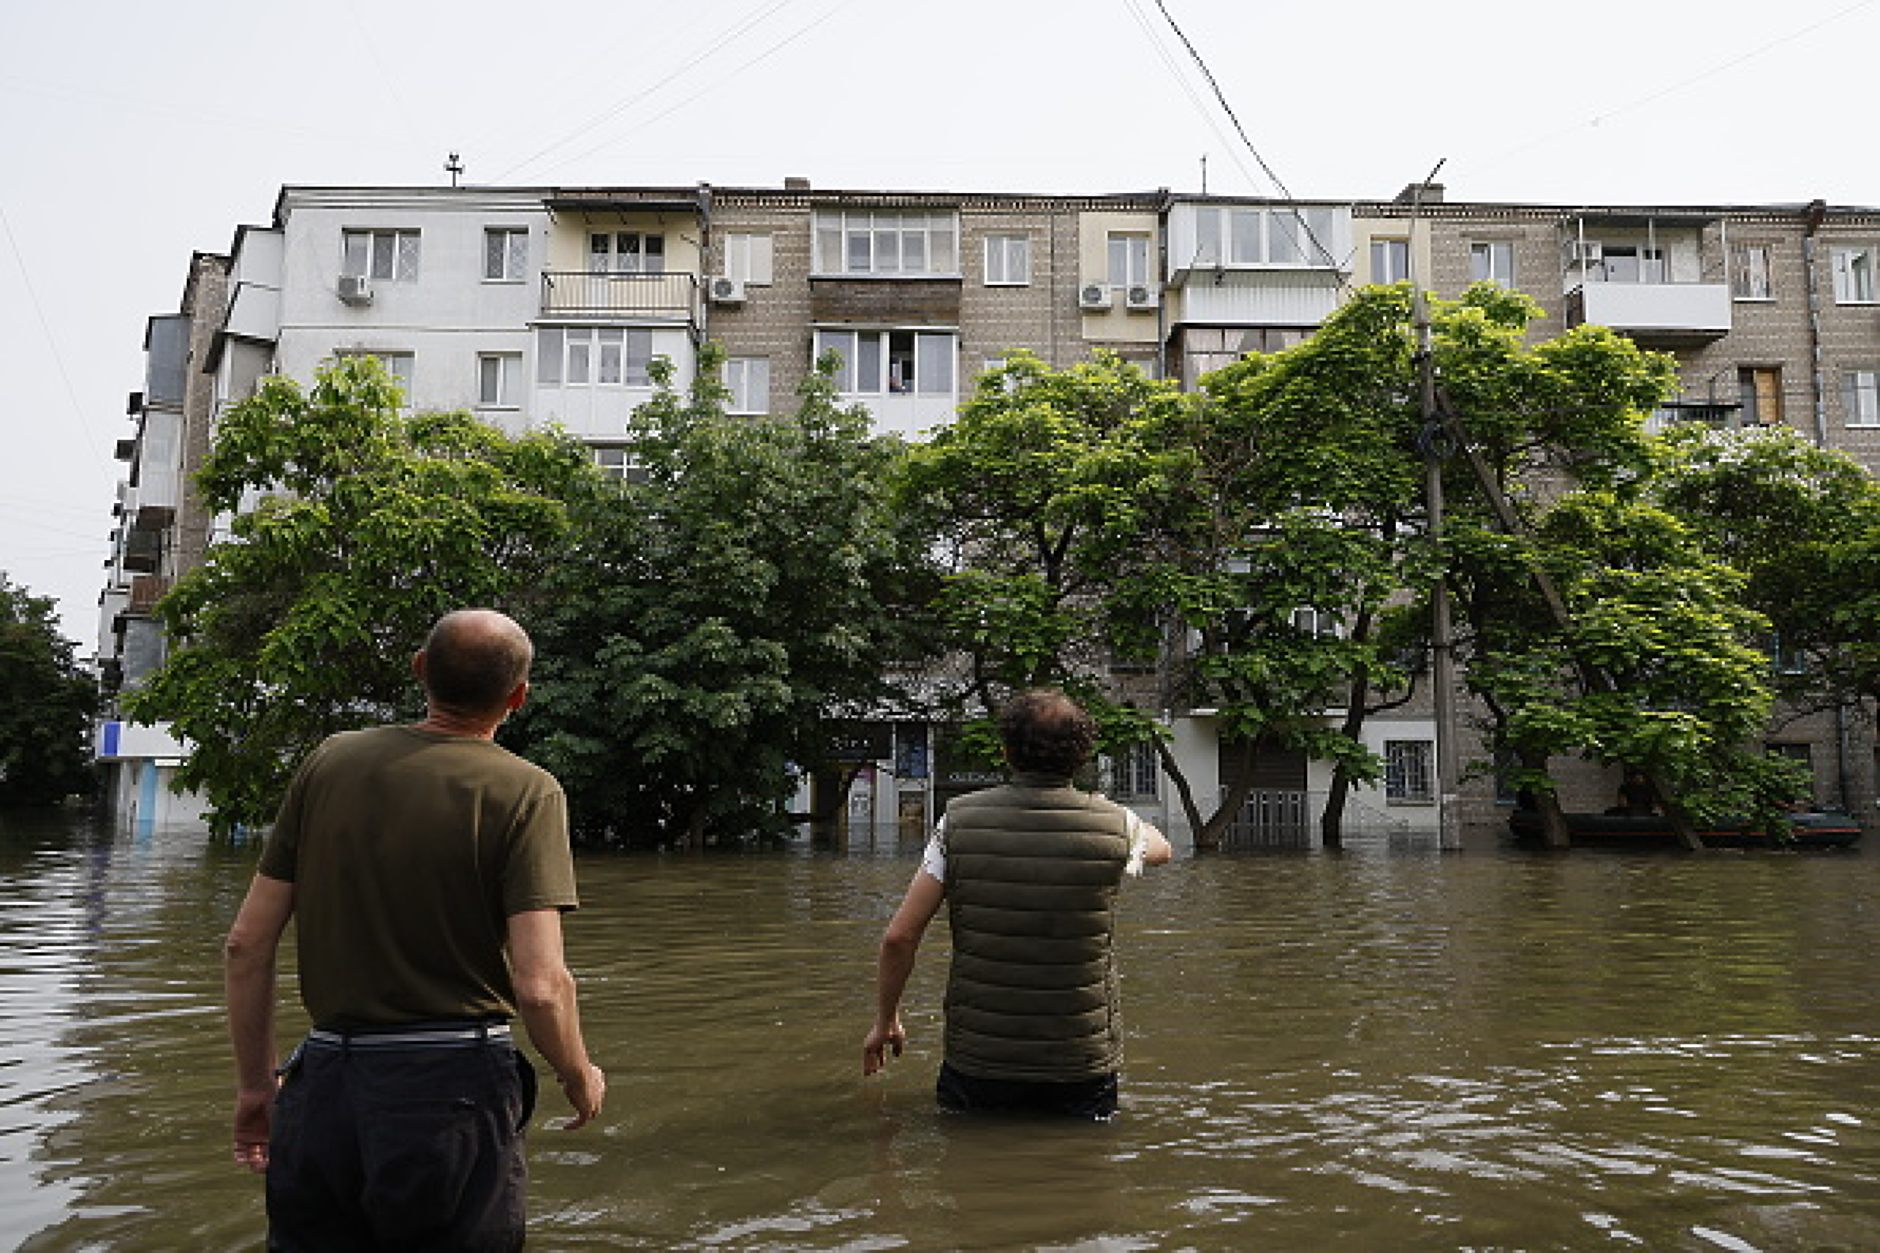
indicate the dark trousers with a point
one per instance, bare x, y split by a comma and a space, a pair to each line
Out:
1084, 1098
400, 1148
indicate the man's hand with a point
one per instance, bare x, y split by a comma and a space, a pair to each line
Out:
586, 1090
881, 1041
253, 1113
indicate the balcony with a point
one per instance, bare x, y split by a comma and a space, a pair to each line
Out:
1656, 312
146, 591
625, 297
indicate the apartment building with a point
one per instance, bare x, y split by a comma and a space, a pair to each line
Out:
537, 305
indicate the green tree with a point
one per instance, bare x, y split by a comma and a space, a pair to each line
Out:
46, 704
1803, 525
1050, 488
365, 526
1297, 585
738, 593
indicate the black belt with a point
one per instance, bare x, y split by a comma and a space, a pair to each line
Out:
415, 1036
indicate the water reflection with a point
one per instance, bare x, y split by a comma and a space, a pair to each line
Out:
1387, 1049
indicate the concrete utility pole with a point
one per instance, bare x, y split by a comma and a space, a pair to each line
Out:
1442, 634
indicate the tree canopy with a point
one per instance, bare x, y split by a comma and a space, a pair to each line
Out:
740, 591
354, 528
46, 704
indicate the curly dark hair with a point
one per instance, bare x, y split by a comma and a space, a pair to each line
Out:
1046, 732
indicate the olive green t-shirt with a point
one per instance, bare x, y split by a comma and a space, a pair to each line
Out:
408, 851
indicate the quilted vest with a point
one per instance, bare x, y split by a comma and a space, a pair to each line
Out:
1032, 872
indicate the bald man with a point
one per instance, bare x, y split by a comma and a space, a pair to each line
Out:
427, 869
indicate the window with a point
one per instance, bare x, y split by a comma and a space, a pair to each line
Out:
499, 380
748, 258
1759, 390
893, 362
748, 379
1409, 777
389, 256
397, 364
1749, 272
893, 242
616, 464
1860, 397
1008, 260
1390, 261
1133, 772
505, 255
1853, 276
1289, 235
626, 252
1628, 263
1128, 259
1492, 261
580, 356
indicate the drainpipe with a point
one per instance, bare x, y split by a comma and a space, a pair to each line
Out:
705, 252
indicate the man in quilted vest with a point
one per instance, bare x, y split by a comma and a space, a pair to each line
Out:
1029, 871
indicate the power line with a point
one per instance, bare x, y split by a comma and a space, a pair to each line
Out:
58, 359
739, 27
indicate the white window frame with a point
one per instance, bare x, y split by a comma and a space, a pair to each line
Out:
749, 258
1409, 772
615, 462
384, 256
1008, 260
748, 381
887, 243
1390, 259
1127, 258
593, 356
626, 252
1860, 396
874, 362
505, 254
402, 366
1750, 272
1492, 261
1135, 772
499, 380
1854, 275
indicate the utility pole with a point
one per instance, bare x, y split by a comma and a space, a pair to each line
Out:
1436, 438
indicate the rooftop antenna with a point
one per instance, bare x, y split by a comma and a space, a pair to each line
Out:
454, 167
1204, 173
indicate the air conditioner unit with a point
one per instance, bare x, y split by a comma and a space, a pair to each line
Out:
1140, 296
726, 291
1095, 296
355, 289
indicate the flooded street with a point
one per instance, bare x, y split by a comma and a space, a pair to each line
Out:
1386, 1049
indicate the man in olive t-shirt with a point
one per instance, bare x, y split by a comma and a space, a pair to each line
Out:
427, 869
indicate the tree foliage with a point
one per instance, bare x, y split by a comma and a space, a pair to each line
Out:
46, 704
357, 527
740, 590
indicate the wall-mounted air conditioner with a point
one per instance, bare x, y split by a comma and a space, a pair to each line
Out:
1095, 296
726, 291
1140, 296
355, 289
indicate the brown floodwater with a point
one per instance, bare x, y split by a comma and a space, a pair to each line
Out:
1391, 1048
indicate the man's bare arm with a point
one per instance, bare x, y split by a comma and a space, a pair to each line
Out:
895, 963
545, 996
248, 959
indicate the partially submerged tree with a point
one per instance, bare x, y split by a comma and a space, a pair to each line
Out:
354, 528
46, 704
739, 591
1050, 489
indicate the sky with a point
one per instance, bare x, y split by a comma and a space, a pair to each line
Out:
133, 134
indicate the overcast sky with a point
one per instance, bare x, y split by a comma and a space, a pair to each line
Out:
136, 133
